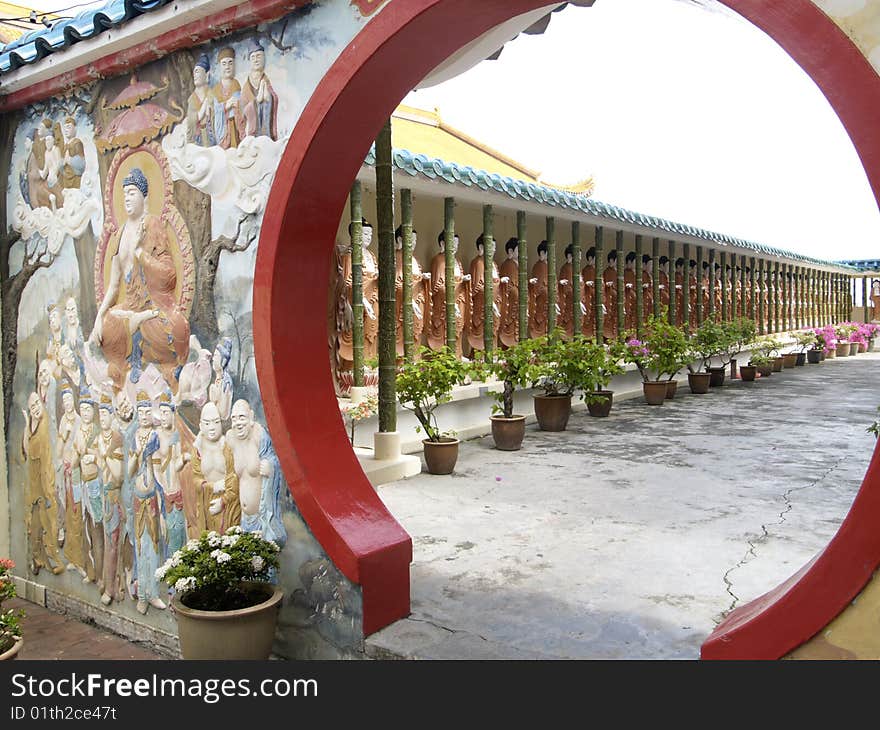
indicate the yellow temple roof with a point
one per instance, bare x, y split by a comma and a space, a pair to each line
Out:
11, 28
425, 132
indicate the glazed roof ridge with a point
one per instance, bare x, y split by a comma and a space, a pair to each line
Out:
416, 164
37, 44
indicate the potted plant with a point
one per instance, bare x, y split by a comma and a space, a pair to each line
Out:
747, 372
827, 341
707, 342
659, 356
514, 367
225, 605
421, 387
739, 333
763, 363
555, 373
10, 627
806, 341
594, 366
842, 333
356, 412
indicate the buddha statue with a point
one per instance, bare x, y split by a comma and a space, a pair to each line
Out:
647, 287
565, 286
588, 293
139, 320
421, 282
538, 294
679, 291
693, 291
476, 321
461, 297
370, 297
609, 278
508, 333
629, 292
663, 286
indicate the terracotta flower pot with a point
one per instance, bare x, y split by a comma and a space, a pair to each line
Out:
814, 357
830, 355
12, 652
508, 432
789, 359
801, 359
655, 392
440, 456
244, 633
602, 408
765, 371
717, 378
747, 373
671, 387
843, 349
778, 364
853, 348
863, 347
699, 382
552, 411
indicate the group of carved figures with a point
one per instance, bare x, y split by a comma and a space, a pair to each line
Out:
118, 481
55, 163
429, 296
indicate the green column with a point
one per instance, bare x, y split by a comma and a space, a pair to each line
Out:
640, 292
655, 274
865, 316
599, 284
699, 299
686, 288
488, 282
753, 302
357, 286
387, 272
576, 277
760, 297
523, 274
711, 314
449, 242
552, 291
725, 289
743, 292
621, 285
672, 290
406, 225
777, 294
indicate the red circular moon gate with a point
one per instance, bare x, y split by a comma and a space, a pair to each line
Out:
399, 47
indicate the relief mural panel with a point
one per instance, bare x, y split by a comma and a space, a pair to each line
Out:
133, 408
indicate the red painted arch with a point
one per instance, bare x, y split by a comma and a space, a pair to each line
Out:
401, 45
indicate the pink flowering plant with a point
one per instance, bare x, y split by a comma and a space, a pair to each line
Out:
354, 412
212, 573
663, 351
10, 626
826, 339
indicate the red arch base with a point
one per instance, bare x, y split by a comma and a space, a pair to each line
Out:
402, 44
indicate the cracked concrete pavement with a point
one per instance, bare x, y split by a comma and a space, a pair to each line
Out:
632, 536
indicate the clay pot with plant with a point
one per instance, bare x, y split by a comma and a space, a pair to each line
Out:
593, 366
422, 386
738, 334
514, 367
10, 619
225, 602
806, 343
659, 356
555, 373
705, 344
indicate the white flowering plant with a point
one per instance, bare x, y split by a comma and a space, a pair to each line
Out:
212, 573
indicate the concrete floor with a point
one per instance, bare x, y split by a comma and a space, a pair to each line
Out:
632, 536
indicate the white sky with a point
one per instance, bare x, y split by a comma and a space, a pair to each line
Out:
678, 112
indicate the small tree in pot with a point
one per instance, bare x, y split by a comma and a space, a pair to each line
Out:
224, 601
739, 334
806, 342
423, 385
515, 368
662, 353
707, 342
556, 373
593, 366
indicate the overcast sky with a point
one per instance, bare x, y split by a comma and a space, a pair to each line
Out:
676, 111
